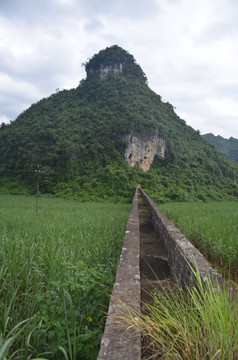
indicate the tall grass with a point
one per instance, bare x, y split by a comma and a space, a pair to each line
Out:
197, 324
212, 227
56, 271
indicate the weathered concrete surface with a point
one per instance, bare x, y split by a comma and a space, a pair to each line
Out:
164, 252
117, 343
154, 267
181, 254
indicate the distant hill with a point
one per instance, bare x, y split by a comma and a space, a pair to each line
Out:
111, 133
227, 146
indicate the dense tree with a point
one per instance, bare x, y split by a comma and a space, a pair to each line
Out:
227, 146
76, 136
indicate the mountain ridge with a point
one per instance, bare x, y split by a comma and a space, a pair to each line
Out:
227, 146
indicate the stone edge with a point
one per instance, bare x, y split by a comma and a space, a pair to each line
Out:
118, 342
183, 257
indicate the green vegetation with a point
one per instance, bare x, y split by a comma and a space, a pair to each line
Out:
115, 55
57, 270
212, 227
199, 323
76, 137
227, 146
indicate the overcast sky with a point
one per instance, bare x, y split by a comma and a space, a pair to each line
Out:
187, 48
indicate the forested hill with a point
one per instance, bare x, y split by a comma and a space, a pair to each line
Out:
87, 139
227, 146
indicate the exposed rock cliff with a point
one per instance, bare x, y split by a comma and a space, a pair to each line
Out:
142, 149
107, 70
114, 61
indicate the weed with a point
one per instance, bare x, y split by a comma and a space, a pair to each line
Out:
56, 271
199, 323
212, 227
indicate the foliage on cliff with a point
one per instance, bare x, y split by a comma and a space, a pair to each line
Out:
227, 146
75, 136
115, 55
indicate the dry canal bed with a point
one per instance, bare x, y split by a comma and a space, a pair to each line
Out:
153, 251
154, 266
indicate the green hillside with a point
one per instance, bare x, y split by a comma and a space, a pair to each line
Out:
227, 146
77, 137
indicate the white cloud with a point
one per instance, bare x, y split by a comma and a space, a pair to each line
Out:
224, 106
18, 88
188, 50
4, 119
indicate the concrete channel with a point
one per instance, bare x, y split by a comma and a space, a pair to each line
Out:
153, 251
154, 266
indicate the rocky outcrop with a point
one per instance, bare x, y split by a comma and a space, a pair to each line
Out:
142, 149
105, 71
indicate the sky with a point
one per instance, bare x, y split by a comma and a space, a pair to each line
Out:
188, 50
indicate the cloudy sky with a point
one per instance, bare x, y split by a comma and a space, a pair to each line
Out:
187, 48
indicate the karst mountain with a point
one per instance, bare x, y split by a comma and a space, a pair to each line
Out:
227, 146
101, 139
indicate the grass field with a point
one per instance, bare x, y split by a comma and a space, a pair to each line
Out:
56, 272
212, 227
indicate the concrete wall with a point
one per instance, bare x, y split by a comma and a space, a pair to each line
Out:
182, 255
117, 343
